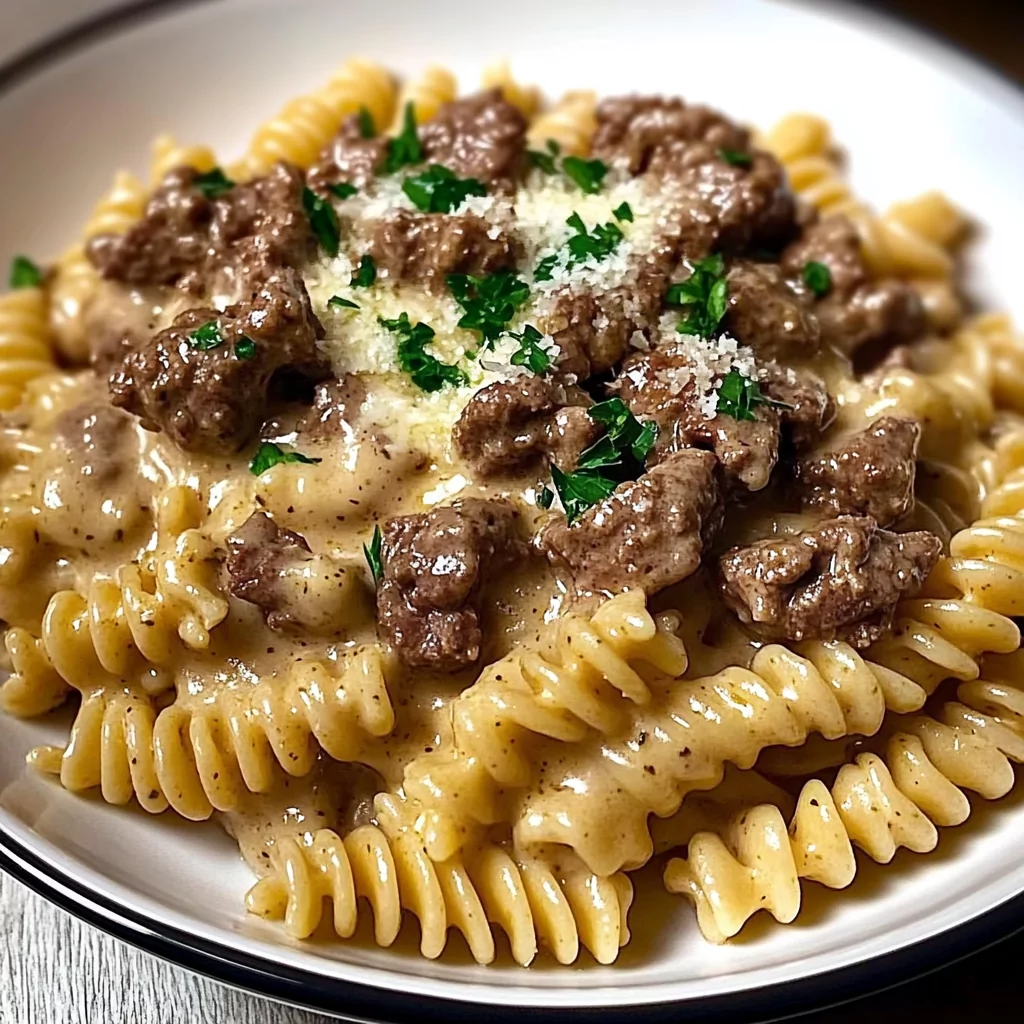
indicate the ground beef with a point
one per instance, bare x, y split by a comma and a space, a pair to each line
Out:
856, 310
636, 130
841, 579
868, 474
648, 533
335, 408
481, 136
184, 238
424, 248
211, 400
434, 565
747, 449
99, 438
806, 409
767, 314
506, 424
347, 157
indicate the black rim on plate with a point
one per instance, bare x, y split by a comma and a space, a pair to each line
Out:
363, 1004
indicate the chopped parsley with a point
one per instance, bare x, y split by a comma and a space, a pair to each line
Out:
736, 157
545, 496
245, 348
343, 190
213, 183
427, 371
340, 302
404, 149
817, 277
597, 244
25, 273
545, 160
367, 129
374, 556
739, 396
438, 190
588, 174
623, 212
530, 352
705, 293
365, 274
490, 302
269, 455
323, 220
614, 458
206, 337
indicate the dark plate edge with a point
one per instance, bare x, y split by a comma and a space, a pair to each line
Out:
361, 1004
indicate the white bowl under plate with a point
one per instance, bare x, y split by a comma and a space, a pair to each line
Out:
913, 114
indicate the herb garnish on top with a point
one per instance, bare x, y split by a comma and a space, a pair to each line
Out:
705, 293
438, 190
426, 370
489, 302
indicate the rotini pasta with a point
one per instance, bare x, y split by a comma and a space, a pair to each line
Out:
435, 87
25, 352
570, 123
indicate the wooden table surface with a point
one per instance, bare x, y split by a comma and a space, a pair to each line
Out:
55, 970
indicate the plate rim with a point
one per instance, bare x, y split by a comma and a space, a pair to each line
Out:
373, 1005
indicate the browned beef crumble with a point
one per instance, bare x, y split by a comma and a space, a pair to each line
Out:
99, 438
868, 474
434, 565
210, 400
335, 408
481, 136
856, 310
348, 157
841, 579
509, 423
648, 533
259, 552
183, 238
806, 409
424, 248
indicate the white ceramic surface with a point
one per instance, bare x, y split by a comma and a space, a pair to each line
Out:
913, 117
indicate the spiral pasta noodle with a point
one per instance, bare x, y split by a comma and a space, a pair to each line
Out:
571, 123
530, 901
167, 154
74, 279
427, 94
307, 123
25, 351
525, 97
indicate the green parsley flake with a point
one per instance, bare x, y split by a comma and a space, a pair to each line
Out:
367, 129
706, 294
213, 183
597, 244
545, 161
323, 220
340, 302
545, 497
374, 555
343, 190
581, 489
490, 302
438, 190
366, 273
25, 273
623, 212
206, 337
588, 174
404, 149
269, 455
817, 277
736, 157
739, 396
427, 371
245, 348
530, 352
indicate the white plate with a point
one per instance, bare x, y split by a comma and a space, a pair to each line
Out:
913, 115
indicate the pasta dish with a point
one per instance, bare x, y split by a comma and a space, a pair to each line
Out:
469, 499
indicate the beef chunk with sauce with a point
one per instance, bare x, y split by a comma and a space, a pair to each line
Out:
856, 310
99, 438
425, 248
434, 566
869, 474
481, 136
335, 408
183, 237
209, 399
805, 407
649, 533
348, 157
841, 579
767, 314
506, 424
